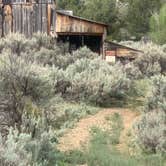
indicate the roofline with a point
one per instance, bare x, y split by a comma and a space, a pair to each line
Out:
123, 46
81, 18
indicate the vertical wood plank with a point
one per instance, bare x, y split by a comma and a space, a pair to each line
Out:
0, 26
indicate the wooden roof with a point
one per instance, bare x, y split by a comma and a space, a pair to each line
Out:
116, 45
67, 24
81, 18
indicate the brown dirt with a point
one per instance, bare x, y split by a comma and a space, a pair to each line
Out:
79, 136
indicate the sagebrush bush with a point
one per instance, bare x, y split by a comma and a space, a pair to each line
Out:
37, 78
92, 80
16, 43
63, 115
33, 144
20, 79
153, 59
21, 149
150, 130
156, 98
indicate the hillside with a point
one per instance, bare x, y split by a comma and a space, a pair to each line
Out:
69, 109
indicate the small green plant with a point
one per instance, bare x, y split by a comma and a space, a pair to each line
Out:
74, 158
116, 128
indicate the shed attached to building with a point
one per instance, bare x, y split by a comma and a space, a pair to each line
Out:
78, 32
115, 52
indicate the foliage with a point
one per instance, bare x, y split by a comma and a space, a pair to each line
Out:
151, 131
156, 98
76, 5
106, 14
129, 19
22, 149
55, 57
150, 62
74, 157
94, 81
138, 16
102, 150
157, 26
16, 43
63, 115
20, 80
40, 82
116, 128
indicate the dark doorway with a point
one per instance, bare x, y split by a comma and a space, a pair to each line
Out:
94, 43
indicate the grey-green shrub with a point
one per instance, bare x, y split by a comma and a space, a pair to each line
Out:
34, 144
149, 63
20, 79
20, 149
152, 60
92, 80
59, 59
150, 130
156, 98
16, 43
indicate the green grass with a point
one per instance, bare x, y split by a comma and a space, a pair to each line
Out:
68, 114
102, 150
116, 128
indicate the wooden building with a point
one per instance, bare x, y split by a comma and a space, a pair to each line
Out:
80, 32
117, 52
27, 16
32, 16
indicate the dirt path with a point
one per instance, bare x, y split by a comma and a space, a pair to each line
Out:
79, 136
129, 117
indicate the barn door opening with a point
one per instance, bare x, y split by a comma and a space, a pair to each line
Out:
94, 43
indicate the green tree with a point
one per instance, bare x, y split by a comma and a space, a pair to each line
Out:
139, 13
75, 5
158, 26
102, 11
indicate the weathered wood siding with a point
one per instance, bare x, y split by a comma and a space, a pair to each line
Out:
69, 24
124, 52
26, 18
113, 49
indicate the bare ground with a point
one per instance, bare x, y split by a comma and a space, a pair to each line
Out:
79, 136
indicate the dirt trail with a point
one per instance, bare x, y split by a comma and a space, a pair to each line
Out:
79, 136
129, 117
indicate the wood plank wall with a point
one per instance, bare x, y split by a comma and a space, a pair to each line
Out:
67, 24
26, 18
112, 49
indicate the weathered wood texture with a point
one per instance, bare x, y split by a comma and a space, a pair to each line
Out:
113, 49
27, 18
71, 24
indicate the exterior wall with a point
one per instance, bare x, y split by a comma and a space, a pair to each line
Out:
123, 52
119, 51
26, 18
67, 24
